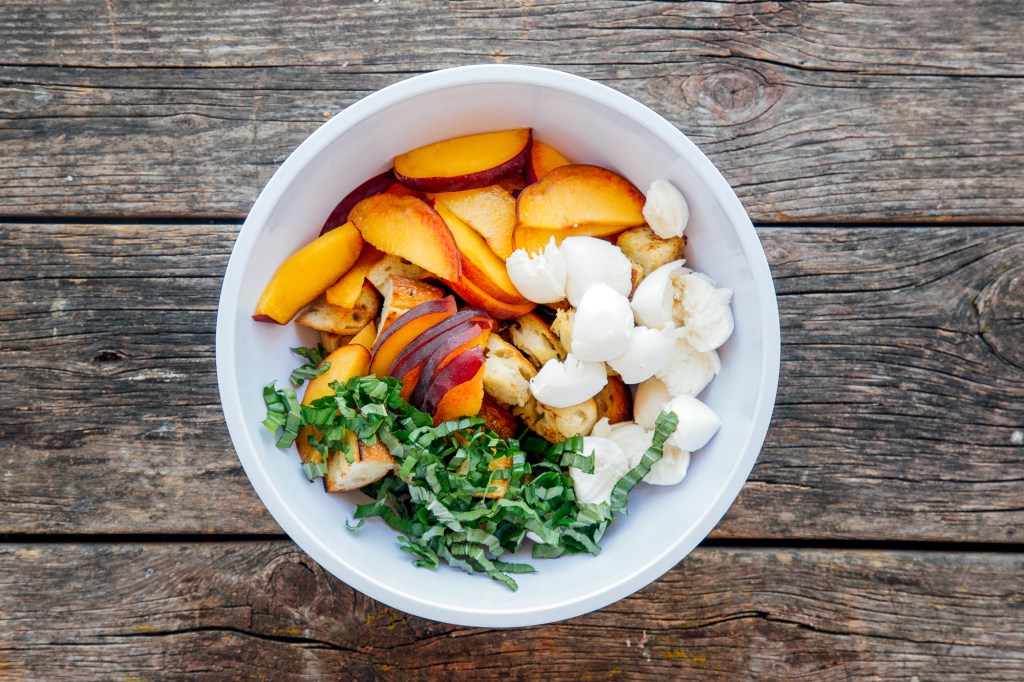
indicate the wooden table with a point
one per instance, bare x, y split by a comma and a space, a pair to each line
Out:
879, 148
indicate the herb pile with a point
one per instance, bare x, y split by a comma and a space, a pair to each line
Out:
461, 493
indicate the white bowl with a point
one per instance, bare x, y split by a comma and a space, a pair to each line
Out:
590, 123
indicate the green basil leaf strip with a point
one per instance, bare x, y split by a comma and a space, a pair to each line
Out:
315, 470
664, 427
314, 355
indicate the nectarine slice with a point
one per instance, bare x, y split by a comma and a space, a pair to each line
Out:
466, 368
408, 227
404, 331
308, 272
345, 292
375, 185
365, 336
445, 349
464, 162
543, 159
478, 298
479, 264
534, 240
570, 196
346, 362
423, 346
491, 211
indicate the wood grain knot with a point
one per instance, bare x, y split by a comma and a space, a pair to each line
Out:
105, 356
1001, 315
731, 94
293, 582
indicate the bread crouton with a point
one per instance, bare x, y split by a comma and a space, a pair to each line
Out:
648, 250
507, 373
532, 335
402, 294
325, 317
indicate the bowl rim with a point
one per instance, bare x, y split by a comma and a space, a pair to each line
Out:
242, 435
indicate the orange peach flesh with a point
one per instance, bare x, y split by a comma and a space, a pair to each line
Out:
534, 240
575, 195
490, 211
478, 298
462, 156
345, 292
462, 401
346, 362
479, 263
307, 274
408, 227
389, 349
543, 159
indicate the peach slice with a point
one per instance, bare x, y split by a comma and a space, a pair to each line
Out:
308, 272
570, 196
480, 265
345, 292
402, 294
443, 350
533, 239
464, 162
408, 227
491, 211
365, 336
419, 351
346, 362
375, 185
543, 159
463, 377
400, 190
404, 331
478, 298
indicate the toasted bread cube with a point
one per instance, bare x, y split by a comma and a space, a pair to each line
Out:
401, 294
497, 418
372, 463
390, 266
562, 327
648, 250
555, 424
532, 335
332, 342
507, 373
614, 401
325, 317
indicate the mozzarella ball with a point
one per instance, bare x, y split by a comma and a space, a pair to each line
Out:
671, 468
591, 261
610, 464
698, 423
666, 210
602, 324
564, 384
647, 353
652, 300
539, 277
688, 370
701, 311
651, 398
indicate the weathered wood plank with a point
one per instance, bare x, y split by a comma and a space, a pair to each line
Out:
814, 111
255, 610
900, 412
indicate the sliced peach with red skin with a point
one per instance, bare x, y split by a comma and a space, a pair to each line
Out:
375, 185
543, 159
490, 211
464, 162
346, 362
307, 273
533, 240
478, 298
345, 292
411, 360
447, 347
463, 377
404, 331
479, 264
410, 228
575, 195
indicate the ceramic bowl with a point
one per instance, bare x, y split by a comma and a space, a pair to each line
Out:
590, 123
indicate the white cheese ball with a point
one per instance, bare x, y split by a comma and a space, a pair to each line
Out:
539, 277
610, 464
671, 468
689, 370
601, 325
648, 352
666, 210
653, 298
564, 384
698, 423
701, 311
591, 261
651, 398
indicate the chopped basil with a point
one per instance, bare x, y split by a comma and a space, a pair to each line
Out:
438, 501
314, 368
